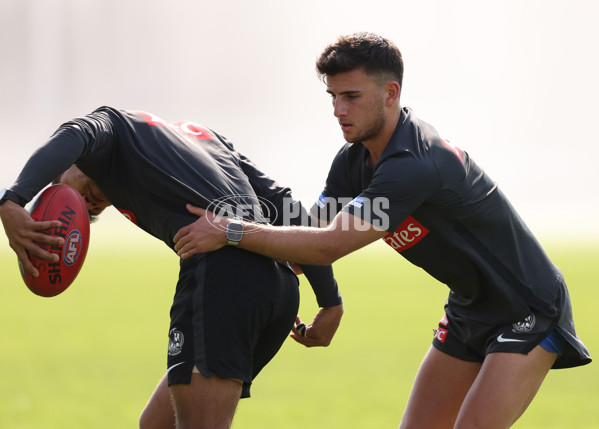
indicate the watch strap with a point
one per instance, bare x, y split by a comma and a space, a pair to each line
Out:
8, 195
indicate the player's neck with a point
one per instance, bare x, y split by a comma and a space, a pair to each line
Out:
377, 144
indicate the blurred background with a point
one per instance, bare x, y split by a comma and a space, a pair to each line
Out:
513, 83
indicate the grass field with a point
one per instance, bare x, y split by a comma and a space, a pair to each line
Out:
90, 358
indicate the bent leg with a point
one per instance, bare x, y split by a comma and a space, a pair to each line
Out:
440, 387
206, 402
159, 412
506, 385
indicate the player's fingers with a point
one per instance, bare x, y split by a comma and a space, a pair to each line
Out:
43, 254
187, 251
180, 234
198, 211
46, 225
304, 341
41, 238
28, 267
26, 264
299, 328
183, 239
181, 249
187, 255
299, 338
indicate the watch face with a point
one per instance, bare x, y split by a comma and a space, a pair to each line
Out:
234, 231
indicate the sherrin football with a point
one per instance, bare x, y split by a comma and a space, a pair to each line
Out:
59, 202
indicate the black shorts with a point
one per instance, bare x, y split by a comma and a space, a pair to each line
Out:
470, 340
231, 313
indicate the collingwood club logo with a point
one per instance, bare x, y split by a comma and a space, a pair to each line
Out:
175, 342
525, 325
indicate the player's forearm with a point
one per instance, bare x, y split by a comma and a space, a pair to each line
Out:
323, 283
47, 162
302, 245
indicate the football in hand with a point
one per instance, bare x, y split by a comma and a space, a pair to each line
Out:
63, 203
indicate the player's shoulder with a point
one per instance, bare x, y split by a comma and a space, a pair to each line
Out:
411, 142
103, 117
414, 132
108, 112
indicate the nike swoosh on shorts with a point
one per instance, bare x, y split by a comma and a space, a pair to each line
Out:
501, 339
173, 366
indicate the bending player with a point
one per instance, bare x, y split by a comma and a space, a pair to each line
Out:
232, 309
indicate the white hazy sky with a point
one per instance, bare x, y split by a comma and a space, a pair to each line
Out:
514, 83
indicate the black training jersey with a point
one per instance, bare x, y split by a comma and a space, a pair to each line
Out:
444, 214
149, 169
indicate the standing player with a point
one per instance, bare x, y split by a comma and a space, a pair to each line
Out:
232, 309
508, 317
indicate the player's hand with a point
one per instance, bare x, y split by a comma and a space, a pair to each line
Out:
322, 329
204, 235
25, 235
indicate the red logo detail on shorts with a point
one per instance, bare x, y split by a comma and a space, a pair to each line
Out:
408, 234
441, 334
444, 321
128, 214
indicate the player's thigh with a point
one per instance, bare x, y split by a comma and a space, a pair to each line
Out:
159, 412
441, 384
504, 388
272, 337
206, 402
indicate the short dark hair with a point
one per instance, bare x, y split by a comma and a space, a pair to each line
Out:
92, 217
380, 58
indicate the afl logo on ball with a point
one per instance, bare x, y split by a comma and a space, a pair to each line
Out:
72, 248
175, 343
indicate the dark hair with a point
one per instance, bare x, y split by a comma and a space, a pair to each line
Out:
380, 58
92, 217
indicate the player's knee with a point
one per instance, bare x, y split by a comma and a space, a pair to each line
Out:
145, 422
156, 417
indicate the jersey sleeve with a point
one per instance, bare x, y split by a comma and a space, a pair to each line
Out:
398, 187
68, 145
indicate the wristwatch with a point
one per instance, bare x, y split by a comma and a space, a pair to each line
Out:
234, 233
8, 195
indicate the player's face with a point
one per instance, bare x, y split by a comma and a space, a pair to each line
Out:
95, 200
359, 105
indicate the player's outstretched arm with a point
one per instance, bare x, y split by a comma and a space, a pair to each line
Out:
322, 329
302, 245
24, 234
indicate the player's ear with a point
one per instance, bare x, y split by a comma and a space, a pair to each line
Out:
392, 91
